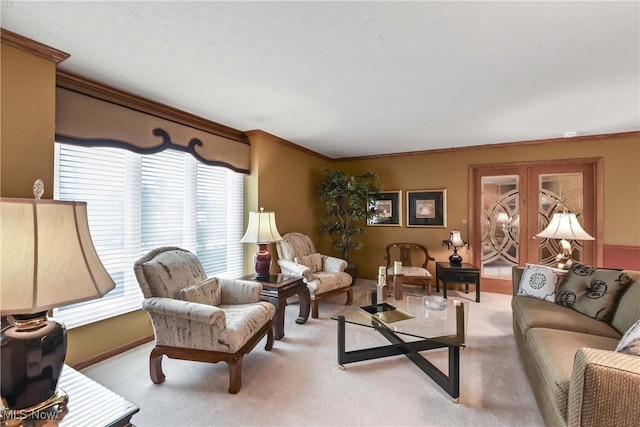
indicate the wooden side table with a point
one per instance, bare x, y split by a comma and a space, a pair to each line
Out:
465, 273
276, 290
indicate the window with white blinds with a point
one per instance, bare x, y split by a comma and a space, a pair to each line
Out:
137, 203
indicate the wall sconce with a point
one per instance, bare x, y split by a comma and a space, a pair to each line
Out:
262, 230
456, 241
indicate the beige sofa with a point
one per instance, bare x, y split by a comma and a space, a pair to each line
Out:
576, 376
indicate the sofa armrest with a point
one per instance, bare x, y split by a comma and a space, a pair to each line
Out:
235, 291
186, 310
333, 264
604, 389
516, 275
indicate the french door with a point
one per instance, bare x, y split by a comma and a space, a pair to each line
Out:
511, 203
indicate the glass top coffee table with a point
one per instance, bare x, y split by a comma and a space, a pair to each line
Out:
411, 327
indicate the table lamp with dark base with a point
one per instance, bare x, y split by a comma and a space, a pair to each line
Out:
47, 260
455, 240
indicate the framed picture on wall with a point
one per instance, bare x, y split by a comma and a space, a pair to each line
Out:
386, 208
427, 208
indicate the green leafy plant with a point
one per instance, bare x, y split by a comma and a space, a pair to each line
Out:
347, 200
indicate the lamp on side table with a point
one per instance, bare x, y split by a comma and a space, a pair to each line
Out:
456, 241
262, 230
48, 260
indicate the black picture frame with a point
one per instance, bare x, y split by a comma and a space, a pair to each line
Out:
427, 208
387, 208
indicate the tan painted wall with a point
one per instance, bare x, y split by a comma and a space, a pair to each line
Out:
28, 123
86, 342
283, 179
450, 170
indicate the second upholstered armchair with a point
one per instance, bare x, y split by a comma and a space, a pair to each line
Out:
323, 274
199, 318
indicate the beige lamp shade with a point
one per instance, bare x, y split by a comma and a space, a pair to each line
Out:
48, 258
564, 226
261, 228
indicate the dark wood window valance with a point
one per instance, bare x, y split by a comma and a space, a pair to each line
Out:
82, 118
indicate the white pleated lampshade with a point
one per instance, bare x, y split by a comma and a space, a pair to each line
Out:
564, 226
261, 228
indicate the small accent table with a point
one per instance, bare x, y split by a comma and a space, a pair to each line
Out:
276, 290
465, 273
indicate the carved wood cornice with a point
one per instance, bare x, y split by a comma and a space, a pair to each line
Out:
31, 46
106, 93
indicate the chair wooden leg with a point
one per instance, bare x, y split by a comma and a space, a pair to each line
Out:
235, 375
349, 296
155, 366
314, 309
269, 344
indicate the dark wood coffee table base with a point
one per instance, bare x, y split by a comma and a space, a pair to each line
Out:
276, 290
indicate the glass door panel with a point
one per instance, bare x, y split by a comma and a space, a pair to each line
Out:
500, 225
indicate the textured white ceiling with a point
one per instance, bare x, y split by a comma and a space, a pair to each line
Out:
362, 78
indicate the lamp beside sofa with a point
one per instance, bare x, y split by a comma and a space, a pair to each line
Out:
576, 375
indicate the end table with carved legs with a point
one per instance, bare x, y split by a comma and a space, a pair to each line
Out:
276, 290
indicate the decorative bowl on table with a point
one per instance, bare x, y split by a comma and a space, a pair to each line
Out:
434, 302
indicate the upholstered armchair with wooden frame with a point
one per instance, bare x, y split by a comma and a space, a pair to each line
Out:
324, 275
415, 260
200, 319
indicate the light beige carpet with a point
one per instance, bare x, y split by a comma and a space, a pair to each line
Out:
299, 382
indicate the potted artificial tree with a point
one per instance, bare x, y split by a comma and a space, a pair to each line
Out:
347, 200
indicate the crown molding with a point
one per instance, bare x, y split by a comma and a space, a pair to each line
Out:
33, 47
259, 132
501, 145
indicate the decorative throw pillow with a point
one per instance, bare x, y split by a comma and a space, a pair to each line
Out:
205, 292
592, 291
540, 281
313, 261
630, 341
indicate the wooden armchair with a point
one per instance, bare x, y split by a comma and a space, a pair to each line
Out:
415, 259
200, 319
